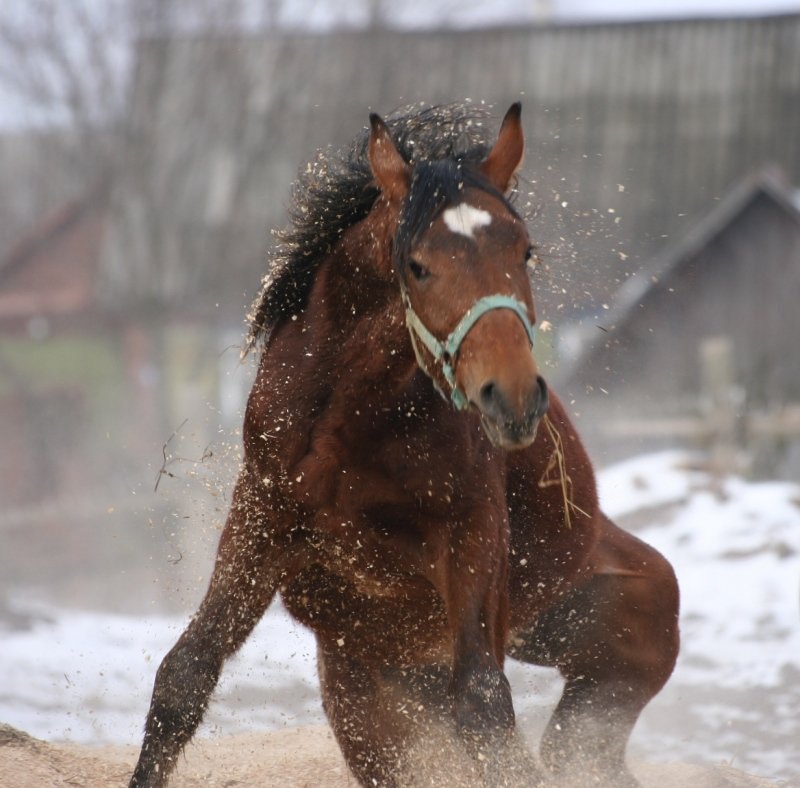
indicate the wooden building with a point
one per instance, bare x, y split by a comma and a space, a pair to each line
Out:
635, 132
634, 129
709, 325
48, 321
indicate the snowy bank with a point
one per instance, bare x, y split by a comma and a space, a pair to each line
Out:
86, 677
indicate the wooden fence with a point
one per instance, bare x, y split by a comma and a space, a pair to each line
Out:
722, 424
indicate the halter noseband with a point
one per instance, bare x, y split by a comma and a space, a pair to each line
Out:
445, 353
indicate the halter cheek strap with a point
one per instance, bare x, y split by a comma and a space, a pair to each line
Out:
445, 353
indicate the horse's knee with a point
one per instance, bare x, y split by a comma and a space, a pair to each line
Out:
184, 682
189, 671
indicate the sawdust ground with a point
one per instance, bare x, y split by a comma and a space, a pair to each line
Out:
296, 758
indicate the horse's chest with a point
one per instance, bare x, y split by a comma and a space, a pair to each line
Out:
428, 452
378, 558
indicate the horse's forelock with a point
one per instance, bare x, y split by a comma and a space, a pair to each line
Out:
434, 186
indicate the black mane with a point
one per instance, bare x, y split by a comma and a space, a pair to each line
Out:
335, 191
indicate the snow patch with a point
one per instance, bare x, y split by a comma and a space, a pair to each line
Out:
735, 546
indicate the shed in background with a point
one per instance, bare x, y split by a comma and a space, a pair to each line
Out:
722, 302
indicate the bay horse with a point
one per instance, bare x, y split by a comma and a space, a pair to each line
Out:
412, 489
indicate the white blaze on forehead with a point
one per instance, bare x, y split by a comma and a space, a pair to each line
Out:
464, 219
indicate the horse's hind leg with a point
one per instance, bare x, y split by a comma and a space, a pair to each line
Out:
242, 585
615, 640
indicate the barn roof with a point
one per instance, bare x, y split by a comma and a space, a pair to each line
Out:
767, 183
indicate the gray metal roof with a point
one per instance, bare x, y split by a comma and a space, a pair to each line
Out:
658, 273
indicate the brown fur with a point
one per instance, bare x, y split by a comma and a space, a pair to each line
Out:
419, 550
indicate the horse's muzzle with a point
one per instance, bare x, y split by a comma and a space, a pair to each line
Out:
511, 425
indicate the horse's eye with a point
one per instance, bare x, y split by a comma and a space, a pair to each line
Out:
419, 272
529, 254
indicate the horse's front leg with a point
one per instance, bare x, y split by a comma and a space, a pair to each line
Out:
244, 581
481, 693
470, 572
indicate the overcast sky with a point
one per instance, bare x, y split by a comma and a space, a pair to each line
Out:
638, 9
470, 13
327, 14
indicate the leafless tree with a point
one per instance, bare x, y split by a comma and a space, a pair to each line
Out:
68, 67
72, 64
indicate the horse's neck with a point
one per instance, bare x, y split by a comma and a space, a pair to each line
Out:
363, 320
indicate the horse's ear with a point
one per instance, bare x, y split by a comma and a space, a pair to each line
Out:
391, 172
505, 158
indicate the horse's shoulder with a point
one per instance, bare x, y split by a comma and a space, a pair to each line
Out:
554, 469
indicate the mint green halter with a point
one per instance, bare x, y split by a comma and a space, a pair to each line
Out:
445, 353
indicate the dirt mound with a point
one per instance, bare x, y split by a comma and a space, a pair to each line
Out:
297, 758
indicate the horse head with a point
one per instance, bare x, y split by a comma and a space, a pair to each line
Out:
461, 254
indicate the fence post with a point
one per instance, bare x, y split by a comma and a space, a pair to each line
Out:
718, 402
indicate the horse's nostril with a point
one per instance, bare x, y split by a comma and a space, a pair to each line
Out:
488, 393
543, 397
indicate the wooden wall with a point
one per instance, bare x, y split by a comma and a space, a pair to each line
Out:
739, 281
633, 131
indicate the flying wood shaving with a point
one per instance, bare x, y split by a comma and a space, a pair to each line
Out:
162, 471
556, 473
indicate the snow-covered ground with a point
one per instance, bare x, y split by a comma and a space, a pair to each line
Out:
87, 677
